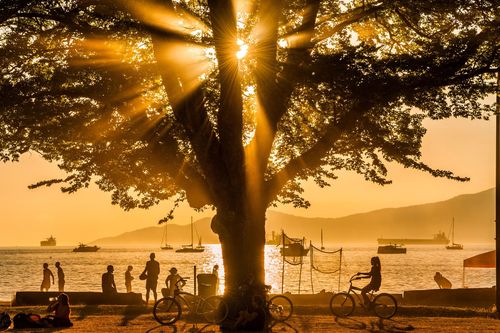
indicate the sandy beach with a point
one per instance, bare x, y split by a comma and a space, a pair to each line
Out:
305, 319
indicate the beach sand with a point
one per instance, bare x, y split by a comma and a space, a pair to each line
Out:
306, 319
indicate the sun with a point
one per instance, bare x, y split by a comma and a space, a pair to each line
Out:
242, 50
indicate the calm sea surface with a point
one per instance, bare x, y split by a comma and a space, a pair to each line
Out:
21, 268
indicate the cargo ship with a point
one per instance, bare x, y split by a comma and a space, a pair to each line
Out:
438, 239
51, 241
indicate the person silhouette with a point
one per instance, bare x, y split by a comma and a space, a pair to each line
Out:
47, 275
108, 281
60, 277
61, 310
152, 270
215, 272
376, 279
128, 279
171, 281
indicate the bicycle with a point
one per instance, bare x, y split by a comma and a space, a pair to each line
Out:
279, 307
168, 309
342, 304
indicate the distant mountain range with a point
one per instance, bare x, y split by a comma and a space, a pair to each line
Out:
474, 223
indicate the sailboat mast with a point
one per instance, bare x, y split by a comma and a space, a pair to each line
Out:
192, 231
453, 231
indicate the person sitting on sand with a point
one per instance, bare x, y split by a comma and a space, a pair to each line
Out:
128, 279
47, 275
61, 310
442, 282
375, 282
108, 281
174, 281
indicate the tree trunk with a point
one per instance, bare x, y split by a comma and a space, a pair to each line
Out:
242, 237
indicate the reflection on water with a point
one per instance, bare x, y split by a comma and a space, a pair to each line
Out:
21, 268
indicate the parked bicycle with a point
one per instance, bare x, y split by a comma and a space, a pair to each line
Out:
169, 309
383, 305
279, 307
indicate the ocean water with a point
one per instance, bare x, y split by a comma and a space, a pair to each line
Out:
21, 268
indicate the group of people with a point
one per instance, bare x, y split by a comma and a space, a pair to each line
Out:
48, 276
150, 275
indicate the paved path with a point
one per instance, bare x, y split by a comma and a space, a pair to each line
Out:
304, 323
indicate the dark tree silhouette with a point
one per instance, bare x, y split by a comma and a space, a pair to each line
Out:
153, 100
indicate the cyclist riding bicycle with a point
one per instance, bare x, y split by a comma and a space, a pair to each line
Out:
375, 282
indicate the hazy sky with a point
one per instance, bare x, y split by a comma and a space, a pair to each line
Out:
28, 216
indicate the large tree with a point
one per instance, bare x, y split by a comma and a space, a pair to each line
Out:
233, 104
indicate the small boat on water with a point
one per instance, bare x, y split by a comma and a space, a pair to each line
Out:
190, 248
294, 250
392, 248
86, 248
51, 241
454, 246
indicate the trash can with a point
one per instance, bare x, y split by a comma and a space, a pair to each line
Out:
207, 285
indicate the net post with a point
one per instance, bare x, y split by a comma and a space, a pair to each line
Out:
340, 269
311, 264
283, 257
301, 262
194, 273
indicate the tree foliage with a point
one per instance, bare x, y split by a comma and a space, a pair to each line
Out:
149, 100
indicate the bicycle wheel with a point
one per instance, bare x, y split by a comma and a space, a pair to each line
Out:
280, 308
385, 306
342, 304
167, 311
214, 309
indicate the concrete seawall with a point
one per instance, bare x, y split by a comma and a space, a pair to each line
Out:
90, 298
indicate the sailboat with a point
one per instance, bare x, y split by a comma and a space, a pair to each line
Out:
322, 247
164, 244
190, 248
454, 246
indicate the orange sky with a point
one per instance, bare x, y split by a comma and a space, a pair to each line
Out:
27, 216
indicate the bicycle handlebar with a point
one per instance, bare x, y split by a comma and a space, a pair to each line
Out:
356, 277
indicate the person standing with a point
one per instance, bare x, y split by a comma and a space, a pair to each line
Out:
215, 272
60, 277
47, 274
173, 280
152, 270
128, 279
108, 281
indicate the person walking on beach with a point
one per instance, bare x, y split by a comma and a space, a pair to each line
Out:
60, 277
108, 281
151, 271
47, 275
376, 279
128, 279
